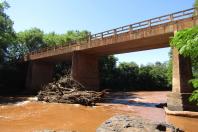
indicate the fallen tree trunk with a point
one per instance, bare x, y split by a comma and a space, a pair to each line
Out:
67, 90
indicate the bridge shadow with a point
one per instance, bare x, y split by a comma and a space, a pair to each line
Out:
130, 99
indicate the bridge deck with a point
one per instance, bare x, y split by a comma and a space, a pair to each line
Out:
149, 34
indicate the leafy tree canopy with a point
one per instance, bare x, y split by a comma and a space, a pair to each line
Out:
196, 4
32, 38
186, 42
7, 34
52, 39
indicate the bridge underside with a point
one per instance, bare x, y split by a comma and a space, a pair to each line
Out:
154, 42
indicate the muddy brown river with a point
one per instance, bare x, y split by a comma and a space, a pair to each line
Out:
26, 115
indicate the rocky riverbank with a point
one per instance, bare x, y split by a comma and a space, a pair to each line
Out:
124, 123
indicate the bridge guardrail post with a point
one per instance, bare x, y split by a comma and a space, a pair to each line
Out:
101, 36
196, 11
171, 17
114, 32
149, 23
130, 28
89, 38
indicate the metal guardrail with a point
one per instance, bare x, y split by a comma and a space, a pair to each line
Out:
130, 28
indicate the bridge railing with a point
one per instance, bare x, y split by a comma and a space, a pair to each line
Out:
128, 28
71, 43
145, 24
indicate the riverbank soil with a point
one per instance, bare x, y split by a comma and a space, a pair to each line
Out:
29, 115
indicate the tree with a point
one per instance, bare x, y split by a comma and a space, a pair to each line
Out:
170, 68
32, 38
159, 76
76, 35
52, 39
127, 75
107, 68
7, 34
186, 41
196, 4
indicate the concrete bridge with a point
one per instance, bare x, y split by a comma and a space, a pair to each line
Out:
149, 34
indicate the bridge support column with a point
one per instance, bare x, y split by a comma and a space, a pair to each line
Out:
85, 70
38, 74
181, 89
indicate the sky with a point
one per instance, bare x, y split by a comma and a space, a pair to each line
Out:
95, 16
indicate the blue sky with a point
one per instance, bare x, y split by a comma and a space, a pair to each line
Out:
95, 16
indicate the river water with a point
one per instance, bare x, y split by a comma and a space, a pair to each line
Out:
23, 114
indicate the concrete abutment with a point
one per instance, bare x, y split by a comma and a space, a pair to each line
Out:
178, 99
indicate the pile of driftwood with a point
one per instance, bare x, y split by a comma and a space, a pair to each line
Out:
67, 90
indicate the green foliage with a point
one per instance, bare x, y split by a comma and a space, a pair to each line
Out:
76, 35
16, 52
194, 96
53, 39
159, 75
195, 66
32, 38
154, 76
130, 76
170, 67
195, 83
186, 42
7, 34
196, 4
107, 68
127, 75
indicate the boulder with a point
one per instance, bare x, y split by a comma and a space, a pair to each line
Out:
125, 123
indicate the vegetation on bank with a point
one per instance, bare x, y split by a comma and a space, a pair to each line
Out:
7, 34
128, 76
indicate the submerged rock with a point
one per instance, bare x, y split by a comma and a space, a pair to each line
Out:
124, 123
